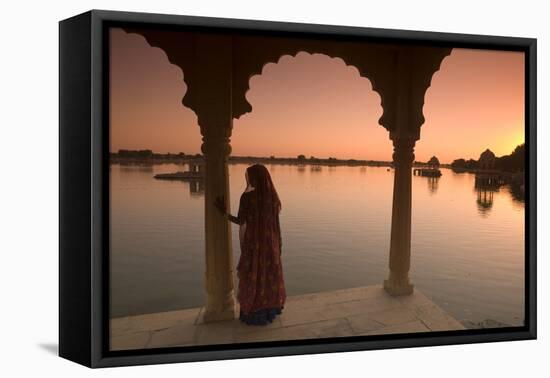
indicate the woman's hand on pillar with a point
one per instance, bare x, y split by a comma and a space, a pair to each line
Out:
220, 204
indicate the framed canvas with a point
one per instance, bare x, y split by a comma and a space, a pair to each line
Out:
235, 188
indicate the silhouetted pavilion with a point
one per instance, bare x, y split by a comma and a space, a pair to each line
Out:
433, 163
487, 176
487, 160
431, 170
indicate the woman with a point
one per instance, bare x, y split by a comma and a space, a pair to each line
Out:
261, 292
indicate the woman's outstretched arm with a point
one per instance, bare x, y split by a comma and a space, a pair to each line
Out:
234, 219
220, 205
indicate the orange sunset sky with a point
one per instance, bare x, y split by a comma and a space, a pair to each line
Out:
317, 105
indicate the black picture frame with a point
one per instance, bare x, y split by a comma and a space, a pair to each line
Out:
84, 193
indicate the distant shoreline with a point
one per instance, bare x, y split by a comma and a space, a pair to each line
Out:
179, 159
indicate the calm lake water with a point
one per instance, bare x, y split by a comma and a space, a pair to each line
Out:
467, 247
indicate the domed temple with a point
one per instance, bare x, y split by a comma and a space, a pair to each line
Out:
432, 169
487, 160
433, 162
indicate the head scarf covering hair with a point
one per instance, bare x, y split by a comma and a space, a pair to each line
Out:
268, 200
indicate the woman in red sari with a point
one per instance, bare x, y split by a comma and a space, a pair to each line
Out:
261, 292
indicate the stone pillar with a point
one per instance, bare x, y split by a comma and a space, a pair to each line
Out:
213, 105
220, 299
400, 244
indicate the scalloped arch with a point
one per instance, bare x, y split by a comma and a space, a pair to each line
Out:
246, 106
436, 68
381, 64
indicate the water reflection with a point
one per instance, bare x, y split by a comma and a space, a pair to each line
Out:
196, 188
485, 200
133, 168
336, 230
433, 184
518, 193
315, 168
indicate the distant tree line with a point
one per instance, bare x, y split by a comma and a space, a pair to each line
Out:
303, 159
138, 154
330, 160
468, 165
514, 162
149, 154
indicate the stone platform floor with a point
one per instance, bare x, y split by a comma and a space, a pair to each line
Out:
350, 312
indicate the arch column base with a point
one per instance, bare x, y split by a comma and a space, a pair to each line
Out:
228, 313
398, 287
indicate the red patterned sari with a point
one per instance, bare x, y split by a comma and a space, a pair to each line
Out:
261, 291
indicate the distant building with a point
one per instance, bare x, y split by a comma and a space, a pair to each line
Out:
431, 170
433, 162
486, 160
196, 167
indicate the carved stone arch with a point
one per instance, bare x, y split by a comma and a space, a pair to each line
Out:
252, 54
217, 69
399, 73
414, 71
180, 48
